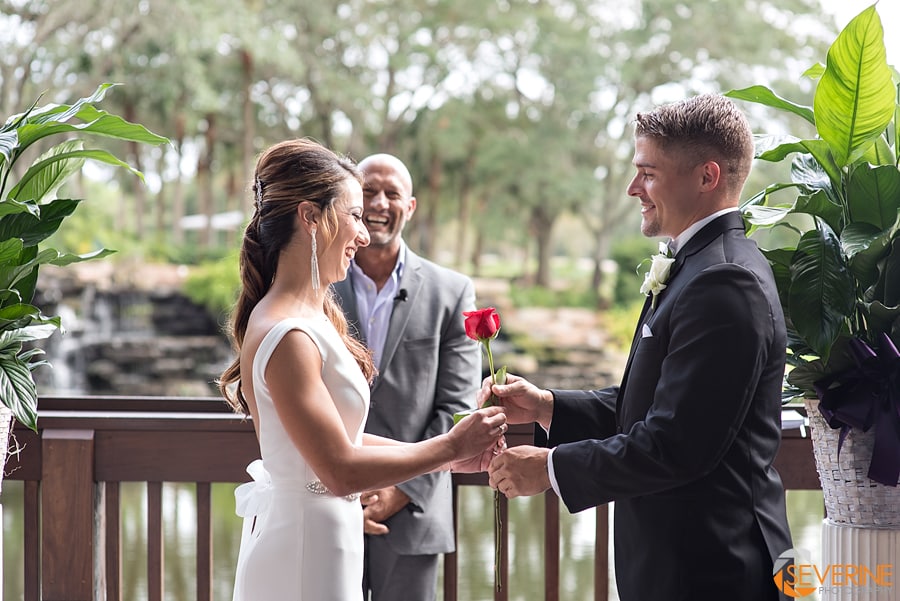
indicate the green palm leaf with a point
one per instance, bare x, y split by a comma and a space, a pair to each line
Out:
854, 100
822, 289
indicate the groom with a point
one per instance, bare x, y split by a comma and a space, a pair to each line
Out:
685, 444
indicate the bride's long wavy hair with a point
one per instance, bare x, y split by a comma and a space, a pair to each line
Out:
287, 174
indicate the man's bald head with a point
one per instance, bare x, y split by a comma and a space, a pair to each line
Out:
383, 160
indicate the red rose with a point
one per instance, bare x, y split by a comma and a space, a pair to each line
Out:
482, 324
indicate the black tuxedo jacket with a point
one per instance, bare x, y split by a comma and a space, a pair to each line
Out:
685, 445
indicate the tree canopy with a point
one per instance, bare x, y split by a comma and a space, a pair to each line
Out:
510, 113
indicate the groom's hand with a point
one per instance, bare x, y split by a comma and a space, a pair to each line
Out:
524, 402
379, 505
520, 471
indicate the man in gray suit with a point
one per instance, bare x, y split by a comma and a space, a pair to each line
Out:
408, 311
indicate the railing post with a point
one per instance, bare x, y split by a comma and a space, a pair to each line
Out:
551, 546
451, 561
601, 554
67, 519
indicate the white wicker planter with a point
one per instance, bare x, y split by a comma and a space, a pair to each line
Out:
850, 496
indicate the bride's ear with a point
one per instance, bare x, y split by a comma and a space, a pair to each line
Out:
308, 213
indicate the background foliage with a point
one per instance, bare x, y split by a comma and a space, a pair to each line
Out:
513, 115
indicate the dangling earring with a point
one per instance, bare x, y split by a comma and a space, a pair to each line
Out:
314, 263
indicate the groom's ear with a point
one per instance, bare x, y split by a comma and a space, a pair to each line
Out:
710, 172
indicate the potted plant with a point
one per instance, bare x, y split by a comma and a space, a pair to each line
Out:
30, 212
838, 266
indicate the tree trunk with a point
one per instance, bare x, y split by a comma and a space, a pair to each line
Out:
178, 192
204, 181
249, 134
435, 175
541, 228
138, 188
465, 202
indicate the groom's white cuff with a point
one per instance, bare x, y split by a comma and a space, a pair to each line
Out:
550, 472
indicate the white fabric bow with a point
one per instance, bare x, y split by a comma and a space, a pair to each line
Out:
254, 498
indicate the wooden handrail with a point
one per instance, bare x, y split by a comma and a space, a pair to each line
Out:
87, 446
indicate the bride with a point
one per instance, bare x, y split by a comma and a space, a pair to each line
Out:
305, 382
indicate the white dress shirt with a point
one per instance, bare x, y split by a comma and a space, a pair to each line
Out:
374, 306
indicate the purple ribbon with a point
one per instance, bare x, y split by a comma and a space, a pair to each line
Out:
865, 396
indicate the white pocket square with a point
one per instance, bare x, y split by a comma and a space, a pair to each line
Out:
646, 332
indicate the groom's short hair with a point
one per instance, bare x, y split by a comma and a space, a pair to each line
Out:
703, 128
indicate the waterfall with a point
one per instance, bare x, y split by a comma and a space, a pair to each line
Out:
129, 341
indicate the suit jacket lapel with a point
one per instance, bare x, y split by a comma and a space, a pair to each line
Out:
700, 240
346, 297
411, 281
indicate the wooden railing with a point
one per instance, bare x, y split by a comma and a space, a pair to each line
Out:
87, 446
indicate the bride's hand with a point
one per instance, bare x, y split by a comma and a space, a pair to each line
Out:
480, 462
478, 432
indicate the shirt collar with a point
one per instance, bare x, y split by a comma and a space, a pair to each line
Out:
681, 239
398, 268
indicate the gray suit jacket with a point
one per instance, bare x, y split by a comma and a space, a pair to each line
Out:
429, 370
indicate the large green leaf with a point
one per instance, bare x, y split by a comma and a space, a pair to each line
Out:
780, 262
59, 161
818, 151
18, 390
14, 274
10, 250
9, 141
821, 152
49, 175
18, 311
881, 318
26, 282
891, 272
822, 290
873, 195
766, 216
819, 205
809, 173
9, 206
762, 198
854, 100
763, 95
34, 229
63, 259
63, 112
865, 245
103, 124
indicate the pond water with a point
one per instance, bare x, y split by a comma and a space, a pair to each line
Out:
476, 547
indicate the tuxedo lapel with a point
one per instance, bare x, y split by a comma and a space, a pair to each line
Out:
410, 281
645, 313
699, 241
711, 231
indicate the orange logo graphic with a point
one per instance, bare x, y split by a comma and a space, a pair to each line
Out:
788, 579
796, 576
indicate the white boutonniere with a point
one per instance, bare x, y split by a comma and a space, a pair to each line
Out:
655, 279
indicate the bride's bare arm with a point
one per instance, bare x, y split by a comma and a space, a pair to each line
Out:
306, 409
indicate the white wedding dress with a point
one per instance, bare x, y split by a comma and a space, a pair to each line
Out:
300, 542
